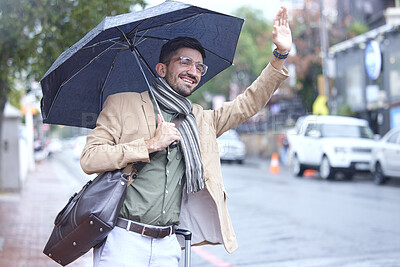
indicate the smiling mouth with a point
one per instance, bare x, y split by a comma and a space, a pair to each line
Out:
188, 80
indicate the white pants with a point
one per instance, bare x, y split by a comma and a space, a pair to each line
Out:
124, 248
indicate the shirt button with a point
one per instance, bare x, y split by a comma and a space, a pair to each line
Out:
163, 211
167, 171
166, 191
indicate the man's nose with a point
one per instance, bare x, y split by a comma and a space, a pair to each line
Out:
193, 70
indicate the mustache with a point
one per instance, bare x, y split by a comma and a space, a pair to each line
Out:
189, 76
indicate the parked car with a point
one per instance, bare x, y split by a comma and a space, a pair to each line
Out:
231, 148
385, 162
331, 144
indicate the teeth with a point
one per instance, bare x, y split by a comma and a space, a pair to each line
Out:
186, 80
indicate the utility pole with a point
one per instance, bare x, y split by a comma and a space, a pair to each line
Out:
323, 33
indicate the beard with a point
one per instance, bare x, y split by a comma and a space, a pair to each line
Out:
179, 86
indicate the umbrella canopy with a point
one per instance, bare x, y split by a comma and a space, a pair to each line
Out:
104, 61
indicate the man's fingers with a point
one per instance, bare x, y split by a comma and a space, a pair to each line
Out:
285, 16
281, 18
277, 18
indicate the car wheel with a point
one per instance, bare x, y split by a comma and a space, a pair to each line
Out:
297, 167
349, 175
379, 177
325, 169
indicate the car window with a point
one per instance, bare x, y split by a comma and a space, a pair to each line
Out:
298, 124
312, 130
394, 138
366, 132
342, 130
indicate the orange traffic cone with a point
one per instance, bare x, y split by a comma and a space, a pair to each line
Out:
274, 165
309, 173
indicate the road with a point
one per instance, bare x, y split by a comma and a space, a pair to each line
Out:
284, 221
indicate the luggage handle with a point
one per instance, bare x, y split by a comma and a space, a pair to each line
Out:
186, 233
188, 237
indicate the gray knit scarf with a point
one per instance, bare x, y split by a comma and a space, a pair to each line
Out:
189, 141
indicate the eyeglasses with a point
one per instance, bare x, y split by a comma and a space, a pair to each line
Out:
200, 67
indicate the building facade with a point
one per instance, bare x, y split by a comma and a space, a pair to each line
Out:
367, 66
367, 76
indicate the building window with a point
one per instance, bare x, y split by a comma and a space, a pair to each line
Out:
354, 91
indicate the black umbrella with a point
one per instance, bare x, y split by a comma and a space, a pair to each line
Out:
120, 54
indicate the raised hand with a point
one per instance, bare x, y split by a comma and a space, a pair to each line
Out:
281, 34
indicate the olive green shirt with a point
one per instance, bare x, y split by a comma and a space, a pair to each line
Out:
155, 196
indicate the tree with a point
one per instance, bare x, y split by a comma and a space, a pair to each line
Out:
34, 33
305, 25
252, 53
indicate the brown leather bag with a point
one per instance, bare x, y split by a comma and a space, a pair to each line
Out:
88, 217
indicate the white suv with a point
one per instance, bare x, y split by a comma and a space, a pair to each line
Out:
331, 144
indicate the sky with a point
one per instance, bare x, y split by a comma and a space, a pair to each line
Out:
269, 7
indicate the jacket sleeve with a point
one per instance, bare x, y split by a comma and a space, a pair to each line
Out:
246, 105
103, 151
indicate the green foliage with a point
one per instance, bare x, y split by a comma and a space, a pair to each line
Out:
255, 42
252, 54
34, 33
345, 110
357, 28
307, 93
15, 97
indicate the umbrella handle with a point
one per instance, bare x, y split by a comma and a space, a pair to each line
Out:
173, 144
134, 52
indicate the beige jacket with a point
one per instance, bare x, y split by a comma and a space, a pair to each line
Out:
127, 119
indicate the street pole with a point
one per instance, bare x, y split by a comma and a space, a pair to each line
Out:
323, 32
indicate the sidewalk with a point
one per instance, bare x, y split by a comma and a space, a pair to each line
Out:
26, 219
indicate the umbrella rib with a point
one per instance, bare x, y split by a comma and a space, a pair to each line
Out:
104, 84
136, 28
58, 91
163, 39
84, 67
122, 44
160, 26
140, 39
224, 59
126, 38
102, 42
144, 62
118, 43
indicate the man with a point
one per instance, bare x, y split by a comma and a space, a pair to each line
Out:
178, 185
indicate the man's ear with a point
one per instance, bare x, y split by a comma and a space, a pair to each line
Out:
161, 69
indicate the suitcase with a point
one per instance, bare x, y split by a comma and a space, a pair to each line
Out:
188, 238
